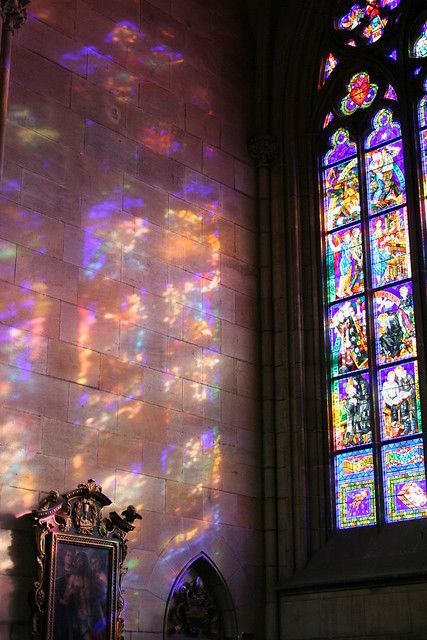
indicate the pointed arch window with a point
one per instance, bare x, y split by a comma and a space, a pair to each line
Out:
373, 178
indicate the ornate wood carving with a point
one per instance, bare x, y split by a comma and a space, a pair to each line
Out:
13, 13
193, 612
263, 150
76, 519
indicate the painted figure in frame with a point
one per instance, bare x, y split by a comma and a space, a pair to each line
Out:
81, 588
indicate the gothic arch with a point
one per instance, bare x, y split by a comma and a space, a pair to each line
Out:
220, 564
203, 575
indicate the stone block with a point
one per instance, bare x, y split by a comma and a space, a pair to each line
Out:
92, 408
33, 392
60, 17
29, 310
7, 260
99, 106
88, 329
184, 500
50, 198
122, 378
143, 201
116, 452
46, 117
73, 363
111, 77
46, 275
42, 76
31, 229
218, 165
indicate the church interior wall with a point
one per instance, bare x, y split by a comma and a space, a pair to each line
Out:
128, 293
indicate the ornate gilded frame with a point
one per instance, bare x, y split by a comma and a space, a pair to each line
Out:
73, 524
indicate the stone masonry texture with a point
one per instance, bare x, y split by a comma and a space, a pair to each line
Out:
128, 292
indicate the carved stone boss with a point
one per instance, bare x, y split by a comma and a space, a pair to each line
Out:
80, 555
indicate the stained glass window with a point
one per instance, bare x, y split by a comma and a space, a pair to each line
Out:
370, 222
367, 19
330, 63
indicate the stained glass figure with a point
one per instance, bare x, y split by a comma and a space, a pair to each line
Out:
368, 18
404, 481
374, 30
349, 351
389, 240
361, 93
345, 263
330, 64
422, 112
352, 18
420, 46
390, 94
399, 400
386, 181
394, 323
355, 489
422, 119
392, 55
351, 411
328, 119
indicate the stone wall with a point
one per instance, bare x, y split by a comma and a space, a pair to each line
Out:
128, 312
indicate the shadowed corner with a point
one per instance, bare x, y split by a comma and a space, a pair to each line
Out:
18, 569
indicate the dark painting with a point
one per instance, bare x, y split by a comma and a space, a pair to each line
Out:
81, 607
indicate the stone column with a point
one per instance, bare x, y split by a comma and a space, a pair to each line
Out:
13, 14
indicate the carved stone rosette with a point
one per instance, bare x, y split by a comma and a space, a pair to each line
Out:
73, 523
13, 13
263, 150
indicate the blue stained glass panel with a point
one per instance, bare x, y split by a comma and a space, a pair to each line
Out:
404, 480
341, 147
399, 400
347, 332
389, 240
420, 46
355, 489
384, 129
394, 323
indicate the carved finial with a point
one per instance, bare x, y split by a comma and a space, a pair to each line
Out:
90, 486
263, 150
13, 13
130, 514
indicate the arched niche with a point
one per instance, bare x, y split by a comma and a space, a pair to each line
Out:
200, 604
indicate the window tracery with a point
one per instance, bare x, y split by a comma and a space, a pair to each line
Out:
371, 220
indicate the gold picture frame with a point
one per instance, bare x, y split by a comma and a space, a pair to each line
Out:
77, 594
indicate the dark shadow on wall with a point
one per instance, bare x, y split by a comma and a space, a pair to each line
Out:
200, 603
17, 575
